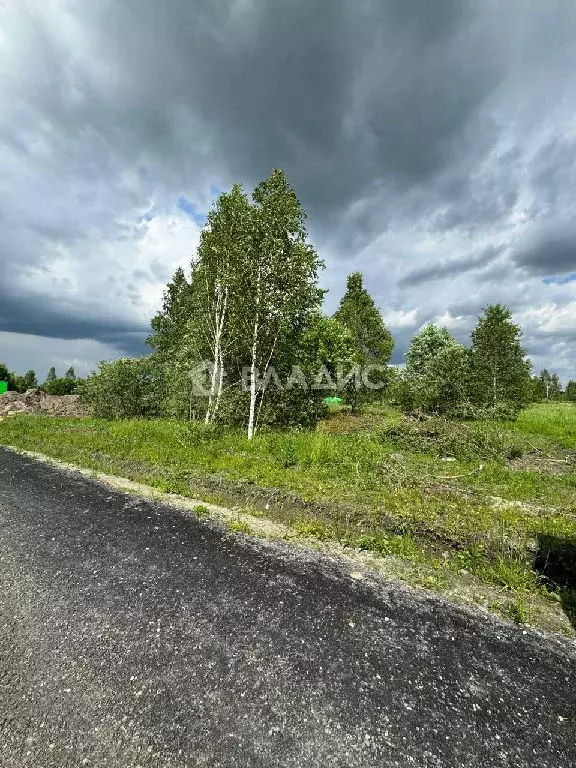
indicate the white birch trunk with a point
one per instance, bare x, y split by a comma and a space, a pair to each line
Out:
494, 390
216, 379
253, 390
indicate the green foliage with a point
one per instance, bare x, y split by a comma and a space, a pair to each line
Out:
547, 386
500, 372
323, 347
169, 324
571, 391
51, 375
425, 347
126, 388
239, 526
22, 383
372, 341
490, 380
17, 383
437, 373
30, 380
442, 436
70, 373
60, 386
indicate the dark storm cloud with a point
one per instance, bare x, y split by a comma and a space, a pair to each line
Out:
550, 253
452, 268
341, 94
414, 120
24, 314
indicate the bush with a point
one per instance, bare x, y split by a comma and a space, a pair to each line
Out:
126, 388
443, 437
499, 412
286, 409
61, 386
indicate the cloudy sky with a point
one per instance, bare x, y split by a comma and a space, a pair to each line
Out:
433, 145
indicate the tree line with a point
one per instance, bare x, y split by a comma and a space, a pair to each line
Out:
241, 338
53, 384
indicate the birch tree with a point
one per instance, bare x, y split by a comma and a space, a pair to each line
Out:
278, 283
224, 251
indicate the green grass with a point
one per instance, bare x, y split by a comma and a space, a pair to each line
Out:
554, 420
378, 480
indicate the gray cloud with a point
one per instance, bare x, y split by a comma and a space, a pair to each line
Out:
452, 268
427, 141
551, 252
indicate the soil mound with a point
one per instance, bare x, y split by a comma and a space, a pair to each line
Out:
37, 401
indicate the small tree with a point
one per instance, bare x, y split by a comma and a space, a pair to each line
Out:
437, 371
570, 393
278, 285
70, 374
555, 392
500, 370
51, 374
60, 386
225, 251
125, 388
549, 386
372, 340
30, 380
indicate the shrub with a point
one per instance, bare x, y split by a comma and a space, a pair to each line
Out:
61, 386
443, 437
125, 388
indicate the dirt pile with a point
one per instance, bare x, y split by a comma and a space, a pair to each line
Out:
36, 401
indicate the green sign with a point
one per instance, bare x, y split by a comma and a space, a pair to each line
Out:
3, 387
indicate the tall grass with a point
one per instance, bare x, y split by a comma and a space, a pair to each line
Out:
554, 420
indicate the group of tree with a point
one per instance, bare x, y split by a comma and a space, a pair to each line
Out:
53, 385
547, 387
248, 313
251, 308
491, 377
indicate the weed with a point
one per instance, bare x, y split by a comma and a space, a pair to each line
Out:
513, 575
519, 611
239, 526
313, 529
252, 511
201, 510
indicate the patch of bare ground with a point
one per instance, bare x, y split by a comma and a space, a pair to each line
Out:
562, 463
37, 401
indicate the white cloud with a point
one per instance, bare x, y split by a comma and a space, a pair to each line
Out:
399, 318
551, 318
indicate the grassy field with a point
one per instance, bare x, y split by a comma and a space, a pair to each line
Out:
490, 505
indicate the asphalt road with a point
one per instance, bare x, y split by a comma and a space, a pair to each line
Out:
133, 635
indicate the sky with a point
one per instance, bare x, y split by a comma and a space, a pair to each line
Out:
432, 145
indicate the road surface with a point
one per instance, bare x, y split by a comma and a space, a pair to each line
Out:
134, 635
